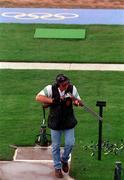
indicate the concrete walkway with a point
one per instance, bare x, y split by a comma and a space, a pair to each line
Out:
11, 170
30, 163
62, 66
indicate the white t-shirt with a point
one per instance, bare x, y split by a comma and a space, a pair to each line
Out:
47, 91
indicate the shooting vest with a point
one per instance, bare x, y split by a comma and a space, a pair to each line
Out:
61, 115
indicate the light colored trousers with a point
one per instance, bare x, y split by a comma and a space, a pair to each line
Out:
56, 143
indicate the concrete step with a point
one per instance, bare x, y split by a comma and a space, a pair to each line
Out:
30, 163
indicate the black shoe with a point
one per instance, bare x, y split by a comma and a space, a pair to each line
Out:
65, 167
58, 173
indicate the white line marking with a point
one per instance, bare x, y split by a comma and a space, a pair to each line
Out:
63, 66
33, 161
14, 157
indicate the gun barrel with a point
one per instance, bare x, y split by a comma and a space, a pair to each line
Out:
86, 108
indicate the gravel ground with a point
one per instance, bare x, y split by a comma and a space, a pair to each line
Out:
63, 3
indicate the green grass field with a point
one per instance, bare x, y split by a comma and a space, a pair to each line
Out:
103, 44
21, 115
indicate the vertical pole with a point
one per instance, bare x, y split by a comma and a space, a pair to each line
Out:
101, 104
117, 173
100, 134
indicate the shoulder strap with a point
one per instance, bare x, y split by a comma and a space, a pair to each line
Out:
69, 89
55, 92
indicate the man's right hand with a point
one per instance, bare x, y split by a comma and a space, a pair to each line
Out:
56, 100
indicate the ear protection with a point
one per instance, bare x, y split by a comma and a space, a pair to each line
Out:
62, 78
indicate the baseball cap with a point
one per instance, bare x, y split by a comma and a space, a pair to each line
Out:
60, 78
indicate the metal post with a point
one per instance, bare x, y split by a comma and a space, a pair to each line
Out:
117, 173
101, 104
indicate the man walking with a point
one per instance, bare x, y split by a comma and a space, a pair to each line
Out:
60, 98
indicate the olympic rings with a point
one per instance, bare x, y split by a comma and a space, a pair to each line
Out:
45, 16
